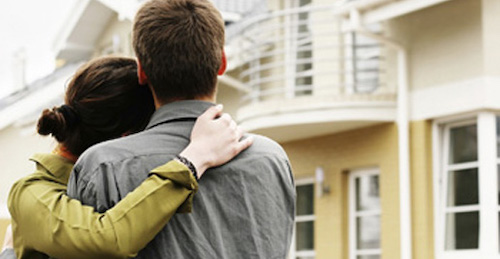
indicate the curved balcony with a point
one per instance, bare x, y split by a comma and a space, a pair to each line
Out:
305, 77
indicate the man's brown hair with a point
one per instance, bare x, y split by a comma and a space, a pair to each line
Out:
179, 45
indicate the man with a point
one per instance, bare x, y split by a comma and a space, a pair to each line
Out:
243, 209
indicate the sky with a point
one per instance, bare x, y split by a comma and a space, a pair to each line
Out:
29, 25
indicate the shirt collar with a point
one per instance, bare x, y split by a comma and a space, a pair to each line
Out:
56, 165
180, 110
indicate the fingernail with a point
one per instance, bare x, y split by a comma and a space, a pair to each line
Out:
219, 107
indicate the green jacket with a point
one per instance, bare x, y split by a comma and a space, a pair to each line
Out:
47, 222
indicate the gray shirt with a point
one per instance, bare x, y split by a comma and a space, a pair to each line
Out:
243, 209
8, 254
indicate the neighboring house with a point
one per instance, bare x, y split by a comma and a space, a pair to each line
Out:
389, 111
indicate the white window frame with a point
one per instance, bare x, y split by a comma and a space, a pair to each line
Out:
353, 251
350, 63
488, 189
293, 251
291, 47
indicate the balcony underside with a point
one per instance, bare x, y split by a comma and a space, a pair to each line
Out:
311, 116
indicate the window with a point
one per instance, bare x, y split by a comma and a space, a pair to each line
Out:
299, 57
466, 187
364, 214
303, 55
304, 222
362, 61
498, 172
461, 191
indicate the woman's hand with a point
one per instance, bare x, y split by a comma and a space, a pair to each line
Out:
215, 140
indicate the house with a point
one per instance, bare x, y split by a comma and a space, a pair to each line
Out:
388, 109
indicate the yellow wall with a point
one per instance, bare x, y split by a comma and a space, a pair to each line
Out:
422, 189
368, 147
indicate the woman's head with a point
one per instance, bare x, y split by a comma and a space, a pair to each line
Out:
103, 101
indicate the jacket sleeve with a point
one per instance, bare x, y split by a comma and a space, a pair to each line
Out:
51, 222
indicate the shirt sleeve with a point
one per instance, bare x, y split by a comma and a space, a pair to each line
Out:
62, 227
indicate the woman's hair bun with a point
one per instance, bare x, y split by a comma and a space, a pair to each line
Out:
52, 122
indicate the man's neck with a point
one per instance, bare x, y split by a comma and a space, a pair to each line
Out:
159, 103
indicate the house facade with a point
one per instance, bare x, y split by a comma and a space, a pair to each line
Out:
389, 111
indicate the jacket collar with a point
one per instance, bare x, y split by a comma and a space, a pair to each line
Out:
180, 110
56, 165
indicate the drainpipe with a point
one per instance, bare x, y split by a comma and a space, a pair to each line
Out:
403, 134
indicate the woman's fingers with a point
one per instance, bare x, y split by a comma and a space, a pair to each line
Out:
212, 112
244, 144
239, 132
225, 118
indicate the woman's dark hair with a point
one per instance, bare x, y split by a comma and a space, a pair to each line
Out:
103, 101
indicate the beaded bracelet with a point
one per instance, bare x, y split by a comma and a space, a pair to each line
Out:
189, 165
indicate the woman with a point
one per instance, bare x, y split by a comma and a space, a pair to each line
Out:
104, 101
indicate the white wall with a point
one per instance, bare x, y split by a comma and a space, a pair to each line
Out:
16, 147
444, 43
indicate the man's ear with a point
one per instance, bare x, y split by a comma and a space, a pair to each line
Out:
143, 78
223, 64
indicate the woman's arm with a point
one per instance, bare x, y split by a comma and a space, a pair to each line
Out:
49, 221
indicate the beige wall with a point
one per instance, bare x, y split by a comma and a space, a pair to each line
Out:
230, 98
491, 36
116, 28
337, 154
444, 42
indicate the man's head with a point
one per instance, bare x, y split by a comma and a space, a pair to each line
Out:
179, 46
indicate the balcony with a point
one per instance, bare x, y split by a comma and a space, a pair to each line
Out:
305, 77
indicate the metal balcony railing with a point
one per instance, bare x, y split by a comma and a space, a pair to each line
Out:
303, 52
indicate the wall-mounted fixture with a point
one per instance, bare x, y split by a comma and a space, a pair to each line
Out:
321, 187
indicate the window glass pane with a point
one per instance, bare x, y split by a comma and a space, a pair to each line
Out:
462, 230
367, 193
498, 137
463, 187
368, 232
305, 199
305, 235
463, 144
368, 257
